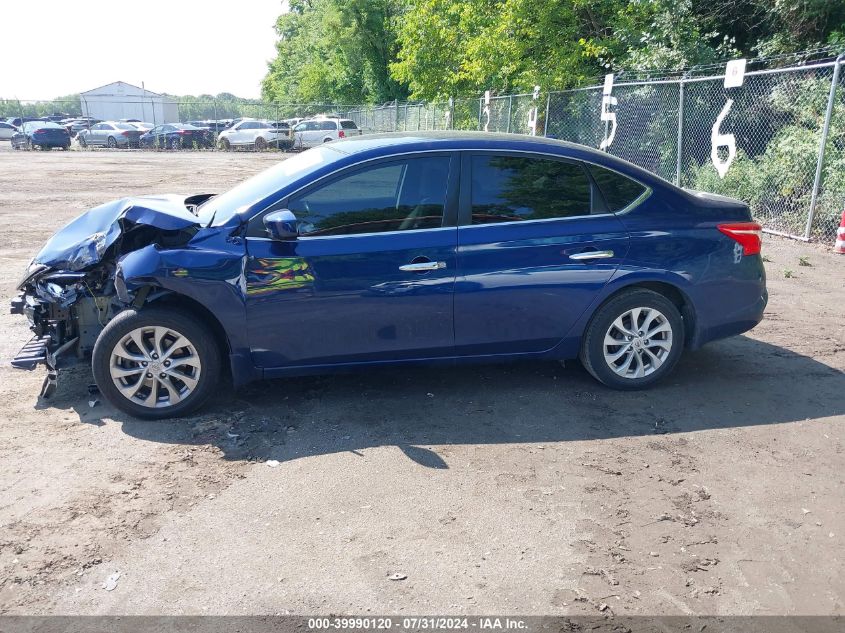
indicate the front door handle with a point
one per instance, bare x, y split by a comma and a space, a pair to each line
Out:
420, 267
591, 255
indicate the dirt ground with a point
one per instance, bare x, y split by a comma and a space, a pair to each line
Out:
524, 489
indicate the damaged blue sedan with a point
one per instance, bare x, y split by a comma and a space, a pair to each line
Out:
387, 250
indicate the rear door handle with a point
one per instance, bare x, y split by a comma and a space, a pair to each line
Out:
420, 267
591, 255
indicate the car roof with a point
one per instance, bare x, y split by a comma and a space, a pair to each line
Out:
450, 140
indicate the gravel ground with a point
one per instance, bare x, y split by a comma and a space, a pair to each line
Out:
525, 489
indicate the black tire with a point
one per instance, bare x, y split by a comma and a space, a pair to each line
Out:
225, 145
260, 144
592, 343
82, 142
174, 319
111, 142
175, 144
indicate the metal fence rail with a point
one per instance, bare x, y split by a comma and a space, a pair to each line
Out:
776, 139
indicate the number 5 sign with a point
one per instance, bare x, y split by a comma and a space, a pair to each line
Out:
734, 76
606, 115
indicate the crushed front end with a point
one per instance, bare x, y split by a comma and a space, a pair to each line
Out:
66, 312
68, 292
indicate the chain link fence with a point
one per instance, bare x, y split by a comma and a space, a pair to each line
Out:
776, 140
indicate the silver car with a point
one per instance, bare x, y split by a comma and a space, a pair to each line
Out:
110, 134
256, 134
316, 131
7, 130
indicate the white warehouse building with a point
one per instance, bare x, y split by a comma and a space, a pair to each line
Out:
120, 100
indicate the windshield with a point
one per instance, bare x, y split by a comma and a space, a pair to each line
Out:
221, 208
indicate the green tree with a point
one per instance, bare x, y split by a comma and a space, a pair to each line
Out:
335, 51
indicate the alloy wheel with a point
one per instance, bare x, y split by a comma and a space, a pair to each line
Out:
155, 366
638, 342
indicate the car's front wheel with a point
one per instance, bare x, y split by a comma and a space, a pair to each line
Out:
156, 363
633, 340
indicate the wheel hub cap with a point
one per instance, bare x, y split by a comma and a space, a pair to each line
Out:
638, 342
155, 366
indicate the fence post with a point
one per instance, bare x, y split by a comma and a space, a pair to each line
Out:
546, 120
451, 113
825, 131
510, 111
680, 148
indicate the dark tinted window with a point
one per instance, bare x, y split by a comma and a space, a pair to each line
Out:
396, 196
328, 125
348, 125
619, 191
512, 188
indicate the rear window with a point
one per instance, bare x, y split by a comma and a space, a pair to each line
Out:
124, 126
618, 191
348, 125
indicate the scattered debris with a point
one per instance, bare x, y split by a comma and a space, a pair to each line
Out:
111, 581
397, 576
603, 469
430, 395
272, 463
93, 403
592, 571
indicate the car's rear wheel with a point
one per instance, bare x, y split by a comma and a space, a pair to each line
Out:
82, 141
112, 143
260, 144
156, 363
633, 340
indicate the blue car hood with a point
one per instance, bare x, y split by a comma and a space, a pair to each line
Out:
84, 241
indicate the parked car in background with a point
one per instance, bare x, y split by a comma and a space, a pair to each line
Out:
7, 130
258, 135
143, 126
110, 134
316, 131
18, 121
178, 136
383, 250
41, 135
77, 125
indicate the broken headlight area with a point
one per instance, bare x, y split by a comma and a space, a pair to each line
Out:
66, 312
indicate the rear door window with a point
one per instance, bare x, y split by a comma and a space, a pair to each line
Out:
348, 125
618, 191
508, 188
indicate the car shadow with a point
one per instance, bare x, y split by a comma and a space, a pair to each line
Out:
735, 383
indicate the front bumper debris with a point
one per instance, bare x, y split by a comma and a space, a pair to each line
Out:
32, 354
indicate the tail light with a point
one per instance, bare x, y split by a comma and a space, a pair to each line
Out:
42, 131
341, 134
748, 234
183, 132
124, 133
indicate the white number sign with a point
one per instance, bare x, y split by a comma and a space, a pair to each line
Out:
606, 115
718, 140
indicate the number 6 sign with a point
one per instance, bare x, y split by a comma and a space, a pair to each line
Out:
734, 78
718, 140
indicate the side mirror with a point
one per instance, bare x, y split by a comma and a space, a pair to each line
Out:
281, 225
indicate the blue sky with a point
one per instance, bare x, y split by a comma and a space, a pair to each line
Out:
173, 46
